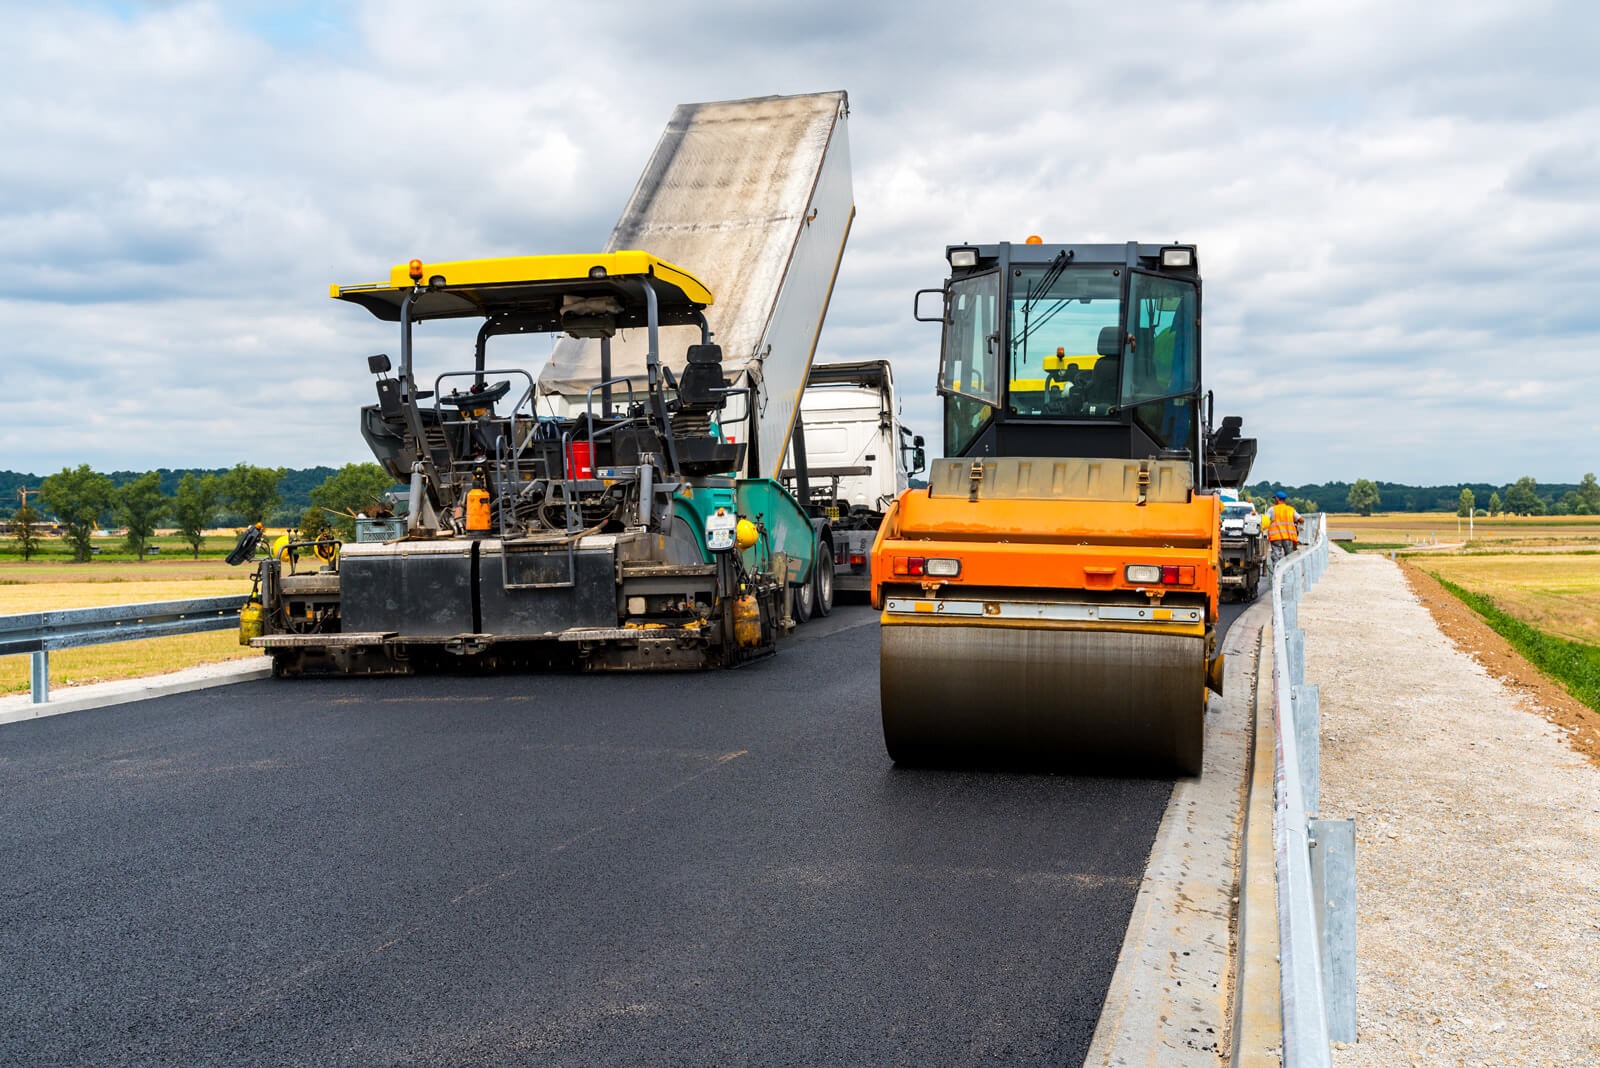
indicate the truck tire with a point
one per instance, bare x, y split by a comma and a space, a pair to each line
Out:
822, 582
802, 598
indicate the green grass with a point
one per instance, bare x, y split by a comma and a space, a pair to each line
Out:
113, 549
1373, 546
1574, 665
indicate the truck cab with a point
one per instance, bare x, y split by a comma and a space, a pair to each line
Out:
850, 459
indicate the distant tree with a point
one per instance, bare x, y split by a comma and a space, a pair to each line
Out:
1494, 504
1523, 497
25, 528
1589, 493
1363, 497
1465, 502
139, 506
1303, 506
313, 521
78, 497
351, 489
194, 508
252, 491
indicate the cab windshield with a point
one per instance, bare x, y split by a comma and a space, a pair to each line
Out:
1065, 341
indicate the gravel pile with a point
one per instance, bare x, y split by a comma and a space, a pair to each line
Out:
1478, 839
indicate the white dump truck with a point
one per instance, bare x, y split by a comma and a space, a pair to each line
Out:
850, 458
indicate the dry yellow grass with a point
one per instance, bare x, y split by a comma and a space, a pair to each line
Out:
1558, 593
1499, 532
34, 587
1545, 570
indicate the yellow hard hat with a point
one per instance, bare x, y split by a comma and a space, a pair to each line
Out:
746, 533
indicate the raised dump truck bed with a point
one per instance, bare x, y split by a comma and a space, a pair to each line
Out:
755, 194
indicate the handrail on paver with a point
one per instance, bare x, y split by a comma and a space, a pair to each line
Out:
1315, 857
37, 633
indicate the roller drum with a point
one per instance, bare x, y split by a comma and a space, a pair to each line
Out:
1060, 698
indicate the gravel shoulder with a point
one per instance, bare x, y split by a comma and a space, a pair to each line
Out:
1478, 833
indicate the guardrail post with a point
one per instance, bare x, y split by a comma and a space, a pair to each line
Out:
1295, 640
41, 676
1307, 713
1332, 844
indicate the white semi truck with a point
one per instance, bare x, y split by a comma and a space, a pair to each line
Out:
850, 458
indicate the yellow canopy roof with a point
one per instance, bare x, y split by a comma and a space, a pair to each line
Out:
536, 289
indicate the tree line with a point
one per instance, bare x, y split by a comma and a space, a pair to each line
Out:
1523, 497
80, 501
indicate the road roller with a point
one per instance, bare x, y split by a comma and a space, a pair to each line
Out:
1050, 598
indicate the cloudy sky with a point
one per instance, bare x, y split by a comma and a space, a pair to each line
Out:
1395, 203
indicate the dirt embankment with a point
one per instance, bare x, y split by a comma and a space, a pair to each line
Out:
1578, 722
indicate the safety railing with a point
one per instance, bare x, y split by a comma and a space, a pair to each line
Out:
1315, 857
39, 633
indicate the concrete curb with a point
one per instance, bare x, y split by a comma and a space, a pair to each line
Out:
1257, 1003
20, 708
1170, 999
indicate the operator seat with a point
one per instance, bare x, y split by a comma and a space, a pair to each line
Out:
1101, 392
1104, 376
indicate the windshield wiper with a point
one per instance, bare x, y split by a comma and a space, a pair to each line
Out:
1036, 293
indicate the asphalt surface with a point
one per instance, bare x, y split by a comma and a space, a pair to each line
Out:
709, 868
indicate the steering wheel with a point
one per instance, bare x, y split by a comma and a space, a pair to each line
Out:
475, 397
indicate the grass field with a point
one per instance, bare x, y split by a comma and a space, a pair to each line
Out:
1543, 570
1535, 580
111, 549
1417, 530
38, 586
1557, 593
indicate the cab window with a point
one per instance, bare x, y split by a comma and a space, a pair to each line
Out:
969, 368
1064, 342
1162, 372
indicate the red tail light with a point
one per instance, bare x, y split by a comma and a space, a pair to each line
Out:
1165, 574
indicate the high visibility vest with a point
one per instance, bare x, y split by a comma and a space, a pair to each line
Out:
1280, 523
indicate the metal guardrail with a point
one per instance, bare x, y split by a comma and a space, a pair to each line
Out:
38, 633
1315, 857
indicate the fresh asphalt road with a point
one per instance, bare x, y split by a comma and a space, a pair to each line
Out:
708, 868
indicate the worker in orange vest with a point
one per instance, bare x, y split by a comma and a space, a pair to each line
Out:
1283, 527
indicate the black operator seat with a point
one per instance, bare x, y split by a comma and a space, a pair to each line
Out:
702, 386
1104, 376
1228, 433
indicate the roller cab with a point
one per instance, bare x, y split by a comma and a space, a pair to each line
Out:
1050, 599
